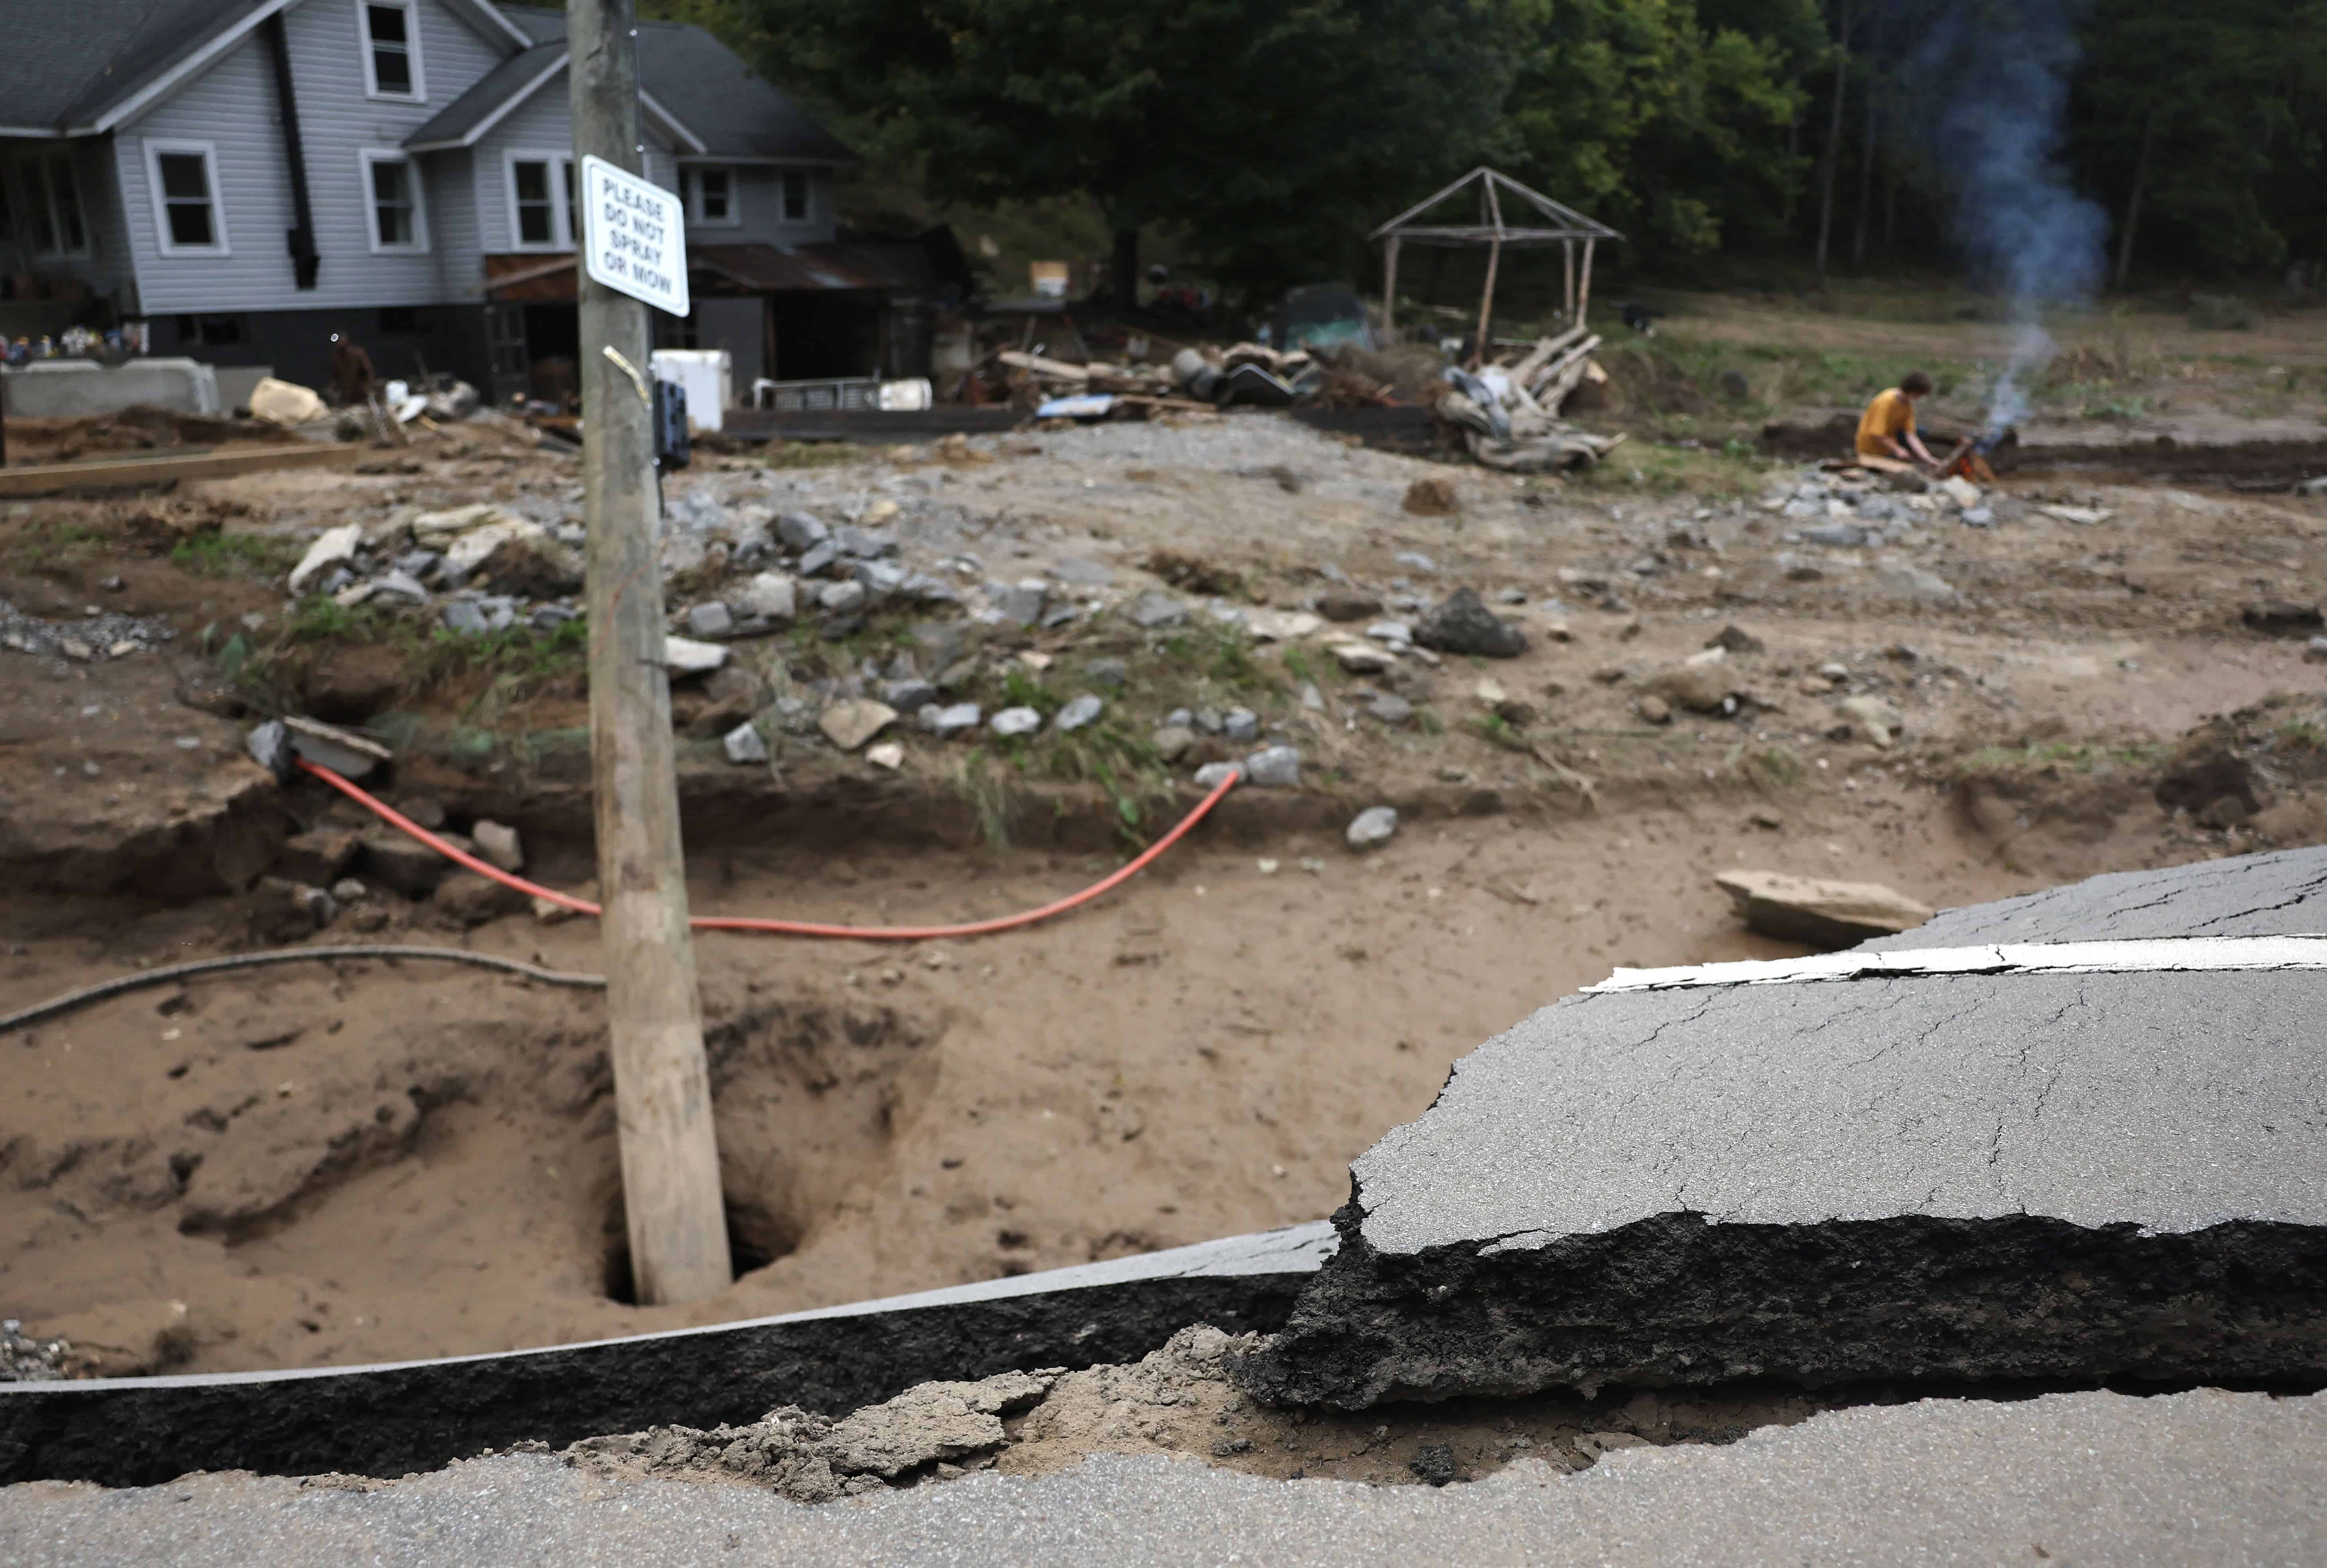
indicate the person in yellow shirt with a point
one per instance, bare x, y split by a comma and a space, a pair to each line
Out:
1887, 428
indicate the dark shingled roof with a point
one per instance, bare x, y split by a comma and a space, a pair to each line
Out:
67, 62
713, 94
492, 89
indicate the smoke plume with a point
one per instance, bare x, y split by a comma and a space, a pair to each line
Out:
1995, 75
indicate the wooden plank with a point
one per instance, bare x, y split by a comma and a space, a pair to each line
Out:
46, 479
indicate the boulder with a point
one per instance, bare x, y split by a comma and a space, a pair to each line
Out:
393, 860
1460, 624
1819, 913
1371, 828
472, 899
849, 725
497, 845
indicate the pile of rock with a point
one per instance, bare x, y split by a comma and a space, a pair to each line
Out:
25, 1359
97, 636
932, 1430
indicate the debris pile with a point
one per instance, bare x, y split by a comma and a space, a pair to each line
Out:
937, 1430
1508, 413
25, 1359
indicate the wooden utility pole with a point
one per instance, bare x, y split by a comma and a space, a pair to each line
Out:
662, 1085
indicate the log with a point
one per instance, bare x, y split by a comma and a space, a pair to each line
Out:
1549, 349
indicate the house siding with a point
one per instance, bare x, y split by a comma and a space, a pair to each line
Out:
543, 123
453, 206
233, 106
759, 188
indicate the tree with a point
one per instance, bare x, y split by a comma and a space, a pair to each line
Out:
1650, 117
1262, 129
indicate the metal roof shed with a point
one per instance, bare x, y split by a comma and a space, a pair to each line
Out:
1541, 222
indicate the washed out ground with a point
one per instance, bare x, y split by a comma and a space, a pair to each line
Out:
365, 1161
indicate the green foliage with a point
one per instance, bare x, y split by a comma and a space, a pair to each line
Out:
224, 555
2220, 314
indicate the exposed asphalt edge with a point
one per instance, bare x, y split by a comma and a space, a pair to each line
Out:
2190, 955
388, 1418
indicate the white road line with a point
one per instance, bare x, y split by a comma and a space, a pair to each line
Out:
2194, 954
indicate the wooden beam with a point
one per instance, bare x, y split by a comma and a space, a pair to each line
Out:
1584, 293
47, 478
1390, 286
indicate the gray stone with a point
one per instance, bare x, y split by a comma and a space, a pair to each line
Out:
1110, 673
1872, 718
864, 544
400, 585
709, 620
1390, 708
954, 719
818, 558
745, 744
1835, 536
1460, 624
767, 596
350, 755
1372, 828
497, 845
1275, 768
1241, 724
462, 616
801, 530
1021, 603
1397, 633
909, 694
1171, 741
333, 547
270, 747
881, 579
1011, 722
1078, 713
1418, 560
1153, 611
1206, 721
1059, 615
1212, 775
1180, 717
1511, 596
842, 598
1979, 516
1082, 573
682, 655
420, 563
1312, 698
2316, 650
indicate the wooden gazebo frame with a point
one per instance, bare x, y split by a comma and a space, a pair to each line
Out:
1549, 223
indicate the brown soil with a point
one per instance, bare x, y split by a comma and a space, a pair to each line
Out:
362, 1162
132, 430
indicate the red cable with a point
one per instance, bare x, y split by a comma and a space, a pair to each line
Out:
787, 927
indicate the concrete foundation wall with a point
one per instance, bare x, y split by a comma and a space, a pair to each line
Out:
78, 389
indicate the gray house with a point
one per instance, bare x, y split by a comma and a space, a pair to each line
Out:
248, 176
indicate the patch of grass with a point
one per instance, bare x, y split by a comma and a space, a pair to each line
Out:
1022, 689
223, 554
1126, 768
2122, 410
2220, 314
1297, 665
1214, 650
2064, 756
1779, 765
1663, 471
986, 788
2302, 734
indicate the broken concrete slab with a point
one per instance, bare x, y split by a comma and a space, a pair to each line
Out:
384, 1421
2026, 1173
2279, 894
1816, 912
343, 751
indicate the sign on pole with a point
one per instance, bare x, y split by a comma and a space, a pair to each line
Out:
633, 236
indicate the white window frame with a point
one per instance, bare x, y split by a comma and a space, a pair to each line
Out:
691, 179
366, 158
808, 196
561, 225
33, 180
411, 9
208, 152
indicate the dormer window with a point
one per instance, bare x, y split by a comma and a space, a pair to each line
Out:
710, 196
391, 48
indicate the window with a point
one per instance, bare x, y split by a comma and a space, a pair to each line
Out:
392, 185
186, 217
794, 197
391, 45
710, 197
541, 201
209, 332
53, 205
